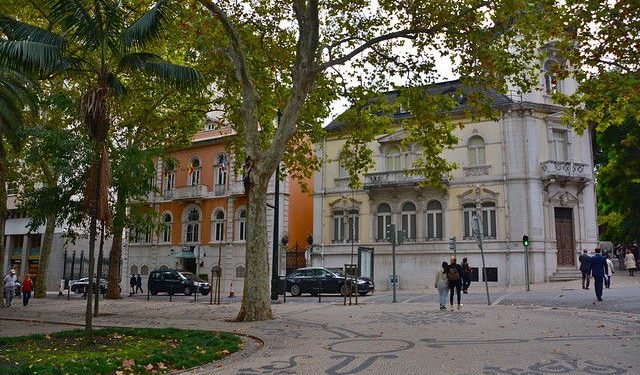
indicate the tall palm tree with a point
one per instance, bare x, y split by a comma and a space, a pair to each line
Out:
25, 52
99, 53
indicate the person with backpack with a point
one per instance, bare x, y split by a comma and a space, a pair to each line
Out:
466, 276
454, 276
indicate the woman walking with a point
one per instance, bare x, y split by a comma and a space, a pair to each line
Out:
27, 288
442, 284
630, 262
454, 276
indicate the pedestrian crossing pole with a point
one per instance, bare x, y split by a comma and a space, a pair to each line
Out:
396, 238
525, 243
478, 234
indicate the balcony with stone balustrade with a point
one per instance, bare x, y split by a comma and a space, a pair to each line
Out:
565, 171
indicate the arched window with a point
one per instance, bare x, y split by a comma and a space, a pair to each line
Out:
434, 220
393, 159
134, 270
409, 220
165, 234
144, 270
194, 172
240, 272
242, 226
476, 150
218, 226
383, 216
192, 225
468, 212
489, 220
551, 82
169, 177
221, 171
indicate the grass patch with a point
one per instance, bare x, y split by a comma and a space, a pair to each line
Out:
114, 351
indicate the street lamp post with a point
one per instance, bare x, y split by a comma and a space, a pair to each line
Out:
276, 223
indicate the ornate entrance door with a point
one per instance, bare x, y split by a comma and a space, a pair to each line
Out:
564, 236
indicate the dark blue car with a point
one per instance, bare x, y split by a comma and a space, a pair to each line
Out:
315, 280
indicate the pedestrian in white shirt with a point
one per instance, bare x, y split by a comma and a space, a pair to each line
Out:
607, 277
9, 287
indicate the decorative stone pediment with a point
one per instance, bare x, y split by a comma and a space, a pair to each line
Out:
477, 194
345, 203
394, 137
564, 198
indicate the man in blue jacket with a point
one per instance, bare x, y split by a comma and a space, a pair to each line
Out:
599, 268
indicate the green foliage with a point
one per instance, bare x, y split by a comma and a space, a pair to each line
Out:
599, 45
618, 179
131, 351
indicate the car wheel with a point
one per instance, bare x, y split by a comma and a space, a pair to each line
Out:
204, 293
363, 293
344, 290
295, 290
187, 291
153, 292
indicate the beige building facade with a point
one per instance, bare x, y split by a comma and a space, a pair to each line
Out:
522, 174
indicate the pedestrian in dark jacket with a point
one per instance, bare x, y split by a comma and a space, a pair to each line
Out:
132, 284
139, 284
466, 276
599, 269
585, 268
454, 276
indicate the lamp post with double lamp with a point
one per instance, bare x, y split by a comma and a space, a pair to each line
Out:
276, 223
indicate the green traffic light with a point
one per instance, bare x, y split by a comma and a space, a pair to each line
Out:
525, 240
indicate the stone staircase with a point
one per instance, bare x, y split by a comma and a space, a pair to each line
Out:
566, 274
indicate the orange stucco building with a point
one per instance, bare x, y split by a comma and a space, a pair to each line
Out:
201, 206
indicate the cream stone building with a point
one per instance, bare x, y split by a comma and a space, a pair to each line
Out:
522, 174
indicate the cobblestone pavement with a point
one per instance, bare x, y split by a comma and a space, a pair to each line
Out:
378, 337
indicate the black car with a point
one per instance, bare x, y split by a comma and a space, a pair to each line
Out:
174, 281
317, 280
81, 285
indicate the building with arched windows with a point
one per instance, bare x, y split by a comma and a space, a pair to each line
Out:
522, 173
202, 215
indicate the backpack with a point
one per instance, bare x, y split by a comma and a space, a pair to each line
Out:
453, 274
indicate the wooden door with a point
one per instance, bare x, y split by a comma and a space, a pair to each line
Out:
565, 243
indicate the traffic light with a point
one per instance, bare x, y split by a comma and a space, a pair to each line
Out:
391, 233
525, 240
401, 236
452, 243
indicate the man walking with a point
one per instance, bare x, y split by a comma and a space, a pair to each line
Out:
139, 284
585, 268
466, 276
599, 268
9, 287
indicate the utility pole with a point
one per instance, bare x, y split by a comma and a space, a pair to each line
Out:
478, 235
276, 240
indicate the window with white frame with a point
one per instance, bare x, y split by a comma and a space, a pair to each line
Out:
342, 170
476, 150
169, 178
192, 226
489, 220
434, 220
559, 145
346, 226
468, 212
551, 82
221, 170
383, 216
242, 225
165, 233
393, 159
408, 216
218, 226
194, 172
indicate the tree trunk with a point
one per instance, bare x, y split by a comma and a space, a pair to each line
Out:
3, 202
256, 299
47, 244
96, 307
115, 255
